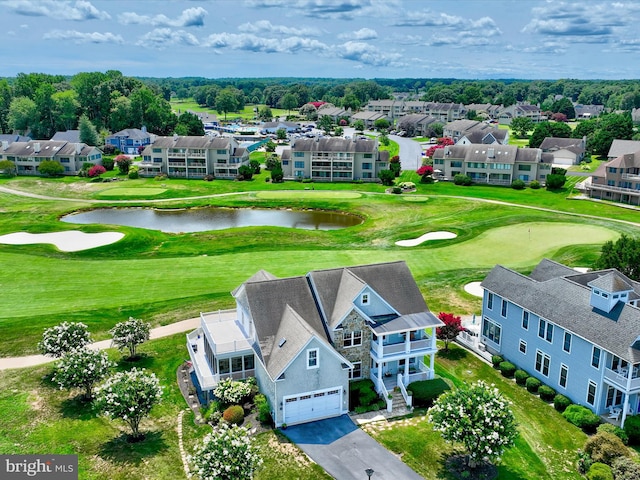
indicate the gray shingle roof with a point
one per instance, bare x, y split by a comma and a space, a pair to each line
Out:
565, 301
68, 136
334, 144
620, 147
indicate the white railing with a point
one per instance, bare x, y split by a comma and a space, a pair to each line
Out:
621, 380
407, 398
387, 350
630, 191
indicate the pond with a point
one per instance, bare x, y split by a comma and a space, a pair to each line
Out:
213, 218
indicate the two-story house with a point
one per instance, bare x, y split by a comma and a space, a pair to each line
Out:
304, 338
194, 157
617, 180
334, 159
27, 156
493, 164
577, 332
130, 140
565, 151
466, 132
507, 114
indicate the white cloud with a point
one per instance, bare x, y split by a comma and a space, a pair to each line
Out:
59, 10
262, 27
367, 54
255, 43
362, 34
84, 37
191, 17
342, 9
165, 37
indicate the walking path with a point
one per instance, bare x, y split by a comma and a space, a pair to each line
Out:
159, 332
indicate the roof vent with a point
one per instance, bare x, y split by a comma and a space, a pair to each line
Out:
282, 342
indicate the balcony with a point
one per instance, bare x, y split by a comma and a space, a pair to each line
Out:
389, 351
611, 188
620, 380
631, 176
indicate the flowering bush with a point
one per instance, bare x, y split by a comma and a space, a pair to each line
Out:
226, 454
452, 327
478, 417
58, 340
129, 396
81, 368
96, 171
232, 392
130, 334
123, 162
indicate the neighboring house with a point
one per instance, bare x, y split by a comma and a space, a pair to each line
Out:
130, 140
466, 132
304, 338
507, 114
335, 159
8, 138
618, 180
444, 112
585, 112
369, 118
72, 136
28, 155
335, 113
493, 164
273, 127
194, 157
389, 109
484, 109
565, 151
622, 147
579, 333
417, 125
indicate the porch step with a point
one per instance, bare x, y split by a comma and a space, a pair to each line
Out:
398, 401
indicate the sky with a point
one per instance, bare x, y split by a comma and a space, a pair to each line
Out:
465, 39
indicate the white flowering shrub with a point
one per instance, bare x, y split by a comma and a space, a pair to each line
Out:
129, 396
226, 454
232, 392
130, 334
477, 417
58, 340
81, 368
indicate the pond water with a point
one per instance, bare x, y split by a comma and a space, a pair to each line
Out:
213, 218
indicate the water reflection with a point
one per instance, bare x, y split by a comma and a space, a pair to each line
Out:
213, 218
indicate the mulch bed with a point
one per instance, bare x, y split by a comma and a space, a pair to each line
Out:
458, 466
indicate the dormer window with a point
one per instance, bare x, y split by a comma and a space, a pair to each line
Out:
364, 299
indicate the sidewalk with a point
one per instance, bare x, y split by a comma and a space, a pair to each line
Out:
159, 332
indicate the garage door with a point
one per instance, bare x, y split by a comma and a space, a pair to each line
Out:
313, 405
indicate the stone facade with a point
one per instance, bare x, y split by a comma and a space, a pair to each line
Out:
354, 322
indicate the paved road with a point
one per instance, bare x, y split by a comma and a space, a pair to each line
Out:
345, 451
410, 152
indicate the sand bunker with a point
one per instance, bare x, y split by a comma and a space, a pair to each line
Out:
426, 237
474, 289
70, 241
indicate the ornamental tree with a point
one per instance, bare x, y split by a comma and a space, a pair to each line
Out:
81, 368
96, 171
58, 340
129, 396
50, 168
227, 453
123, 162
452, 327
130, 334
479, 418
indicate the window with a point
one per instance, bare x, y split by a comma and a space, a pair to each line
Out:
564, 371
298, 154
357, 371
236, 364
223, 365
285, 162
591, 393
567, 342
368, 155
491, 330
523, 347
595, 357
352, 339
542, 363
298, 164
525, 320
249, 362
221, 152
614, 397
490, 301
503, 310
545, 330
312, 358
364, 299
366, 166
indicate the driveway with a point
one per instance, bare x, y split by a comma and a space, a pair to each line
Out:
410, 152
345, 451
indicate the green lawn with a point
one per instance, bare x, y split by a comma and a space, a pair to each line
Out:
247, 114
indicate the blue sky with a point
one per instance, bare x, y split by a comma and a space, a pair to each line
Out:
470, 39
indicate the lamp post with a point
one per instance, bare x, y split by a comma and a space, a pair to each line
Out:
369, 472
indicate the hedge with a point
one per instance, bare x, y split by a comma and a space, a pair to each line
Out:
582, 418
426, 391
533, 384
507, 369
546, 393
496, 360
560, 402
521, 376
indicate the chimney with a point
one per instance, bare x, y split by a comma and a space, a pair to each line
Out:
144, 128
491, 153
5, 145
175, 137
78, 148
36, 147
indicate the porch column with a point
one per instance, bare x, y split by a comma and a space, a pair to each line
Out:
625, 404
407, 342
432, 360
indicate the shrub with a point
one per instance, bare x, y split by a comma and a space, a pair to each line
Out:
560, 402
546, 393
133, 173
262, 405
427, 179
518, 184
632, 429
617, 431
496, 360
584, 462
521, 376
362, 394
96, 171
599, 471
555, 182
605, 447
396, 190
460, 179
534, 185
532, 384
209, 178
582, 418
507, 369
230, 391
108, 163
625, 468
426, 391
124, 163
234, 415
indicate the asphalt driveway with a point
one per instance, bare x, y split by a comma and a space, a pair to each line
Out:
345, 451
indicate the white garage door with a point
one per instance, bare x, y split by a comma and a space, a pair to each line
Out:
313, 405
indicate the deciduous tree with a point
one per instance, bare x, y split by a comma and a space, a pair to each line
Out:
60, 339
129, 334
521, 126
50, 168
623, 255
452, 327
81, 368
